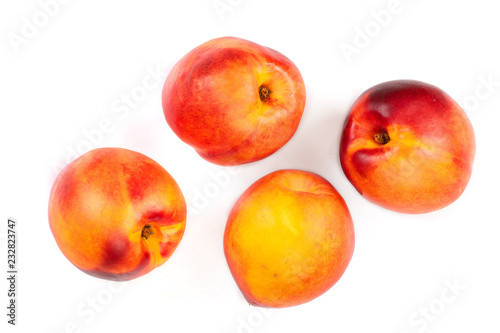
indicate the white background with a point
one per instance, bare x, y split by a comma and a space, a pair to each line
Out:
67, 76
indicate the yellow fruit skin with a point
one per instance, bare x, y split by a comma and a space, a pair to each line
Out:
288, 239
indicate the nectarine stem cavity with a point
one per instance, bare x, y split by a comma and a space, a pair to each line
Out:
146, 231
264, 93
382, 138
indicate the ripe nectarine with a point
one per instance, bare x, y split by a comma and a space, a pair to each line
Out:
233, 100
408, 146
116, 214
288, 239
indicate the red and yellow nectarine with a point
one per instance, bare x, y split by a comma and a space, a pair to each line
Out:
116, 214
233, 100
408, 146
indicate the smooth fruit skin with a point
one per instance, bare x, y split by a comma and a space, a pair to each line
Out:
233, 100
288, 239
427, 162
116, 214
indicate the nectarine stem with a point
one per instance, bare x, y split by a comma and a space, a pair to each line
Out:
382, 138
264, 93
146, 231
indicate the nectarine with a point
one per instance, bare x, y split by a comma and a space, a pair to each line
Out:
408, 146
288, 239
116, 214
233, 100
